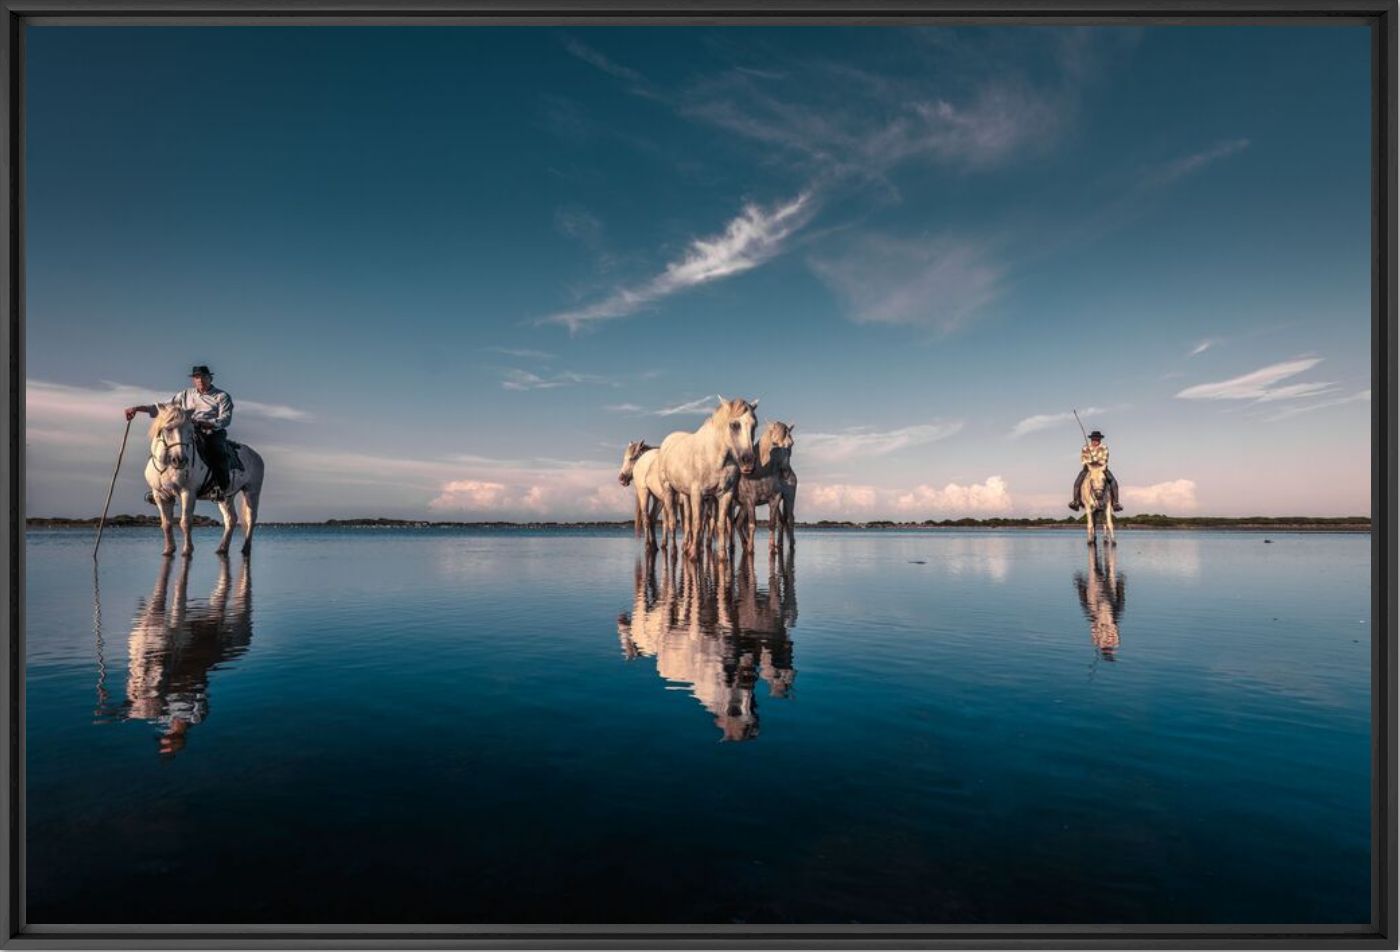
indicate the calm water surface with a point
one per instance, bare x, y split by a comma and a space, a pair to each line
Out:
365, 725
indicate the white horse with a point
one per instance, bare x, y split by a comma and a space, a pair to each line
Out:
705, 463
627, 476
765, 486
176, 471
1093, 496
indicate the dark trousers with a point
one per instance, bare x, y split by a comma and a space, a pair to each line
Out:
216, 455
1107, 475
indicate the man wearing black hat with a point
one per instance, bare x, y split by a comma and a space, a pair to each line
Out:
212, 411
1097, 453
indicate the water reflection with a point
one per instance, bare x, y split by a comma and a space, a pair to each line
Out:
172, 649
710, 626
1101, 595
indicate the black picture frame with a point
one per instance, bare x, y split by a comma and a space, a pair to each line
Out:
1379, 15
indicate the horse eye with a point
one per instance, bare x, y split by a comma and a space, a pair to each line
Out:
734, 426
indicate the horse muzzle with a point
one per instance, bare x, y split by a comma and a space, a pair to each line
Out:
625, 480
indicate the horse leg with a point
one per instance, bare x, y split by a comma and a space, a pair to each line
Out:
166, 505
790, 518
250, 518
1109, 535
725, 526
187, 519
751, 516
230, 520
668, 515
695, 502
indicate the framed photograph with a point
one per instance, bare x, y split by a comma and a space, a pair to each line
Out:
703, 475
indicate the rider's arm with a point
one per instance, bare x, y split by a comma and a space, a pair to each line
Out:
225, 417
148, 408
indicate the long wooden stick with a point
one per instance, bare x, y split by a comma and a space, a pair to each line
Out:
103, 521
1081, 424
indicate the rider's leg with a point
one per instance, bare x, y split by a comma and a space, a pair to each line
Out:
218, 456
1078, 482
1113, 489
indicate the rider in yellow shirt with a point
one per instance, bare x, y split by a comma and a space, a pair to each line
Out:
1096, 452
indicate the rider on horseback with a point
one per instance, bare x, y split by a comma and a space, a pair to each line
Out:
212, 411
1095, 452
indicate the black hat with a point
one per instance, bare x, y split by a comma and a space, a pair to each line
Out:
1096, 435
200, 369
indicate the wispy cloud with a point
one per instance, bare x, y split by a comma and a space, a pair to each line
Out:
517, 379
1363, 396
1202, 347
1186, 165
1259, 385
939, 284
524, 353
1044, 421
701, 407
865, 442
753, 237
596, 59
58, 402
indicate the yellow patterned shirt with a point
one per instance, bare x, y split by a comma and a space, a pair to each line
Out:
1092, 455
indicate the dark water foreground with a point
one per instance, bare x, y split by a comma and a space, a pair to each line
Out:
511, 726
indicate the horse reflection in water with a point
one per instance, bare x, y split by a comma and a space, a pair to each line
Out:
1101, 595
710, 626
172, 649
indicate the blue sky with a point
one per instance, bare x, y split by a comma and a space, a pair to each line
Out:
450, 272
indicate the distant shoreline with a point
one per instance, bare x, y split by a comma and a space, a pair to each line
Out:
1212, 523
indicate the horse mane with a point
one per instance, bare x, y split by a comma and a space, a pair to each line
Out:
168, 416
730, 409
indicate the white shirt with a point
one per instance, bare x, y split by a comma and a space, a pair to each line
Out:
213, 406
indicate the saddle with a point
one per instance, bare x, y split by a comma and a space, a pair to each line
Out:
206, 452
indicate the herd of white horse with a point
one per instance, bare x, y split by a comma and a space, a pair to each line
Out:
707, 484
711, 482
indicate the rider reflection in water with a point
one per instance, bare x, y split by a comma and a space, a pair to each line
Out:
709, 626
1101, 595
171, 652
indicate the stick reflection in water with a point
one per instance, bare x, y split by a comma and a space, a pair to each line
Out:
708, 625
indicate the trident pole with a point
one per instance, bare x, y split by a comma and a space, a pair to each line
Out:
103, 521
1081, 424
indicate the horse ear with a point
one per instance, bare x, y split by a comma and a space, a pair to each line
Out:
754, 405
791, 427
722, 401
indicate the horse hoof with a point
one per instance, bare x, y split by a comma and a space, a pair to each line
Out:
168, 553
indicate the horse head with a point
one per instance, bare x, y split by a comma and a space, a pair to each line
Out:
172, 438
630, 455
776, 443
737, 422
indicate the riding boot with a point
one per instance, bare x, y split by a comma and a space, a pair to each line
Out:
1113, 492
1078, 482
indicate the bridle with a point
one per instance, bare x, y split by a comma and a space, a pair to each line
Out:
179, 462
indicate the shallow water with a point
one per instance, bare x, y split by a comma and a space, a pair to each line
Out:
368, 725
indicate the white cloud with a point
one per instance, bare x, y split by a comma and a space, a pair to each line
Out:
524, 353
525, 380
990, 496
1174, 495
1258, 385
1202, 347
1199, 160
704, 406
939, 284
57, 402
841, 499
864, 442
1043, 421
750, 239
1363, 396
